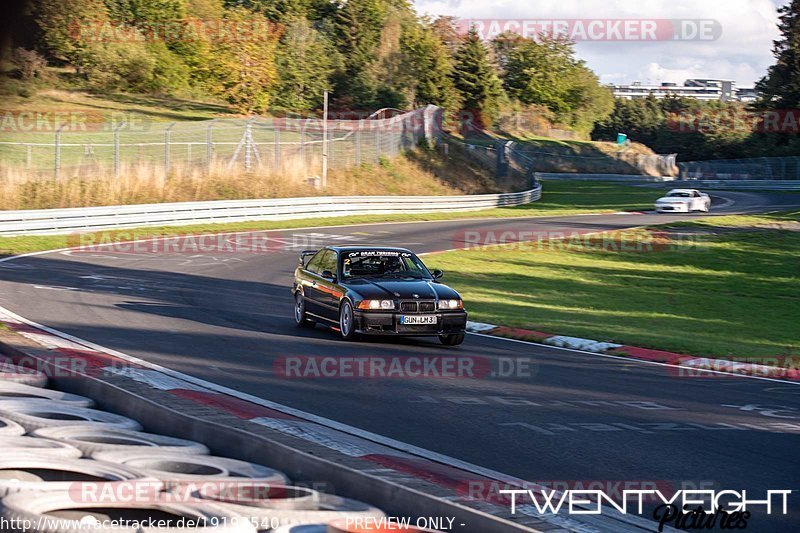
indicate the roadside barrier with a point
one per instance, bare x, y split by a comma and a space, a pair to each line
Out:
9, 372
54, 221
9, 428
46, 467
43, 510
42, 473
20, 444
270, 514
178, 467
92, 440
17, 391
35, 414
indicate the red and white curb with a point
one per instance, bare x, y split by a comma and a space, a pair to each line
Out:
693, 363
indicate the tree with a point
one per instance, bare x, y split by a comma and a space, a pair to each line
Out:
539, 72
306, 60
357, 27
283, 11
780, 88
476, 80
243, 71
66, 26
430, 66
546, 72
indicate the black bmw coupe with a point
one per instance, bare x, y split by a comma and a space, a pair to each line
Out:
376, 291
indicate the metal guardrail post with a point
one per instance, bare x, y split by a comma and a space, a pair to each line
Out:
167, 134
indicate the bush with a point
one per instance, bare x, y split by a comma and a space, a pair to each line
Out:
29, 64
119, 66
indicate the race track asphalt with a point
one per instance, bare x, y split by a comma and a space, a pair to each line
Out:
227, 318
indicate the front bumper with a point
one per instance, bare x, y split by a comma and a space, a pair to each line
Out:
672, 208
377, 323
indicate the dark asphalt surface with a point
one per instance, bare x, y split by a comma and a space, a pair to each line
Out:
226, 318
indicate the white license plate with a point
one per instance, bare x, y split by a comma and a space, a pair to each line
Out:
418, 320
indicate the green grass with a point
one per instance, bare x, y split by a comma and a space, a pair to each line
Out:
97, 115
559, 198
733, 293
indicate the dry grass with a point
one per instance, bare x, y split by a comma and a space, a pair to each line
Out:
415, 173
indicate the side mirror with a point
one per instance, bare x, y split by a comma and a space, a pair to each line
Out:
437, 274
327, 274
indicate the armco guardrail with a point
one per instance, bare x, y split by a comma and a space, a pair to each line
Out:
53, 221
600, 177
768, 185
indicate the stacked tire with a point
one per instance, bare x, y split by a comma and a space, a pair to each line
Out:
272, 507
65, 465
11, 373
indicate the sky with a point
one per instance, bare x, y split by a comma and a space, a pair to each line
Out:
742, 52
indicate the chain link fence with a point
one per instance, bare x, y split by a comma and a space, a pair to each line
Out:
259, 145
761, 168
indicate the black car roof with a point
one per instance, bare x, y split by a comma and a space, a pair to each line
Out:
367, 247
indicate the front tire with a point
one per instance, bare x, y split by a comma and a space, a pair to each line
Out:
347, 322
452, 340
300, 317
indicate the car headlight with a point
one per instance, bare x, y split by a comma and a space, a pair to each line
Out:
376, 304
451, 304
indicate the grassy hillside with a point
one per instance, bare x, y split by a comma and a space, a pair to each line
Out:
651, 293
580, 156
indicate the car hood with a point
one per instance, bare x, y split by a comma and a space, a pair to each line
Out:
672, 200
402, 289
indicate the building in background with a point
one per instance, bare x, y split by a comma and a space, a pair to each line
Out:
700, 89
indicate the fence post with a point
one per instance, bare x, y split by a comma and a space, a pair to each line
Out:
303, 146
501, 165
377, 145
277, 134
116, 148
28, 156
57, 158
167, 132
248, 145
358, 145
325, 140
209, 145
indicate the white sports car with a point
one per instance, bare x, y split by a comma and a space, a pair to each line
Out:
683, 201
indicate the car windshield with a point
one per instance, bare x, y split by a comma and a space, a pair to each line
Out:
382, 264
679, 194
